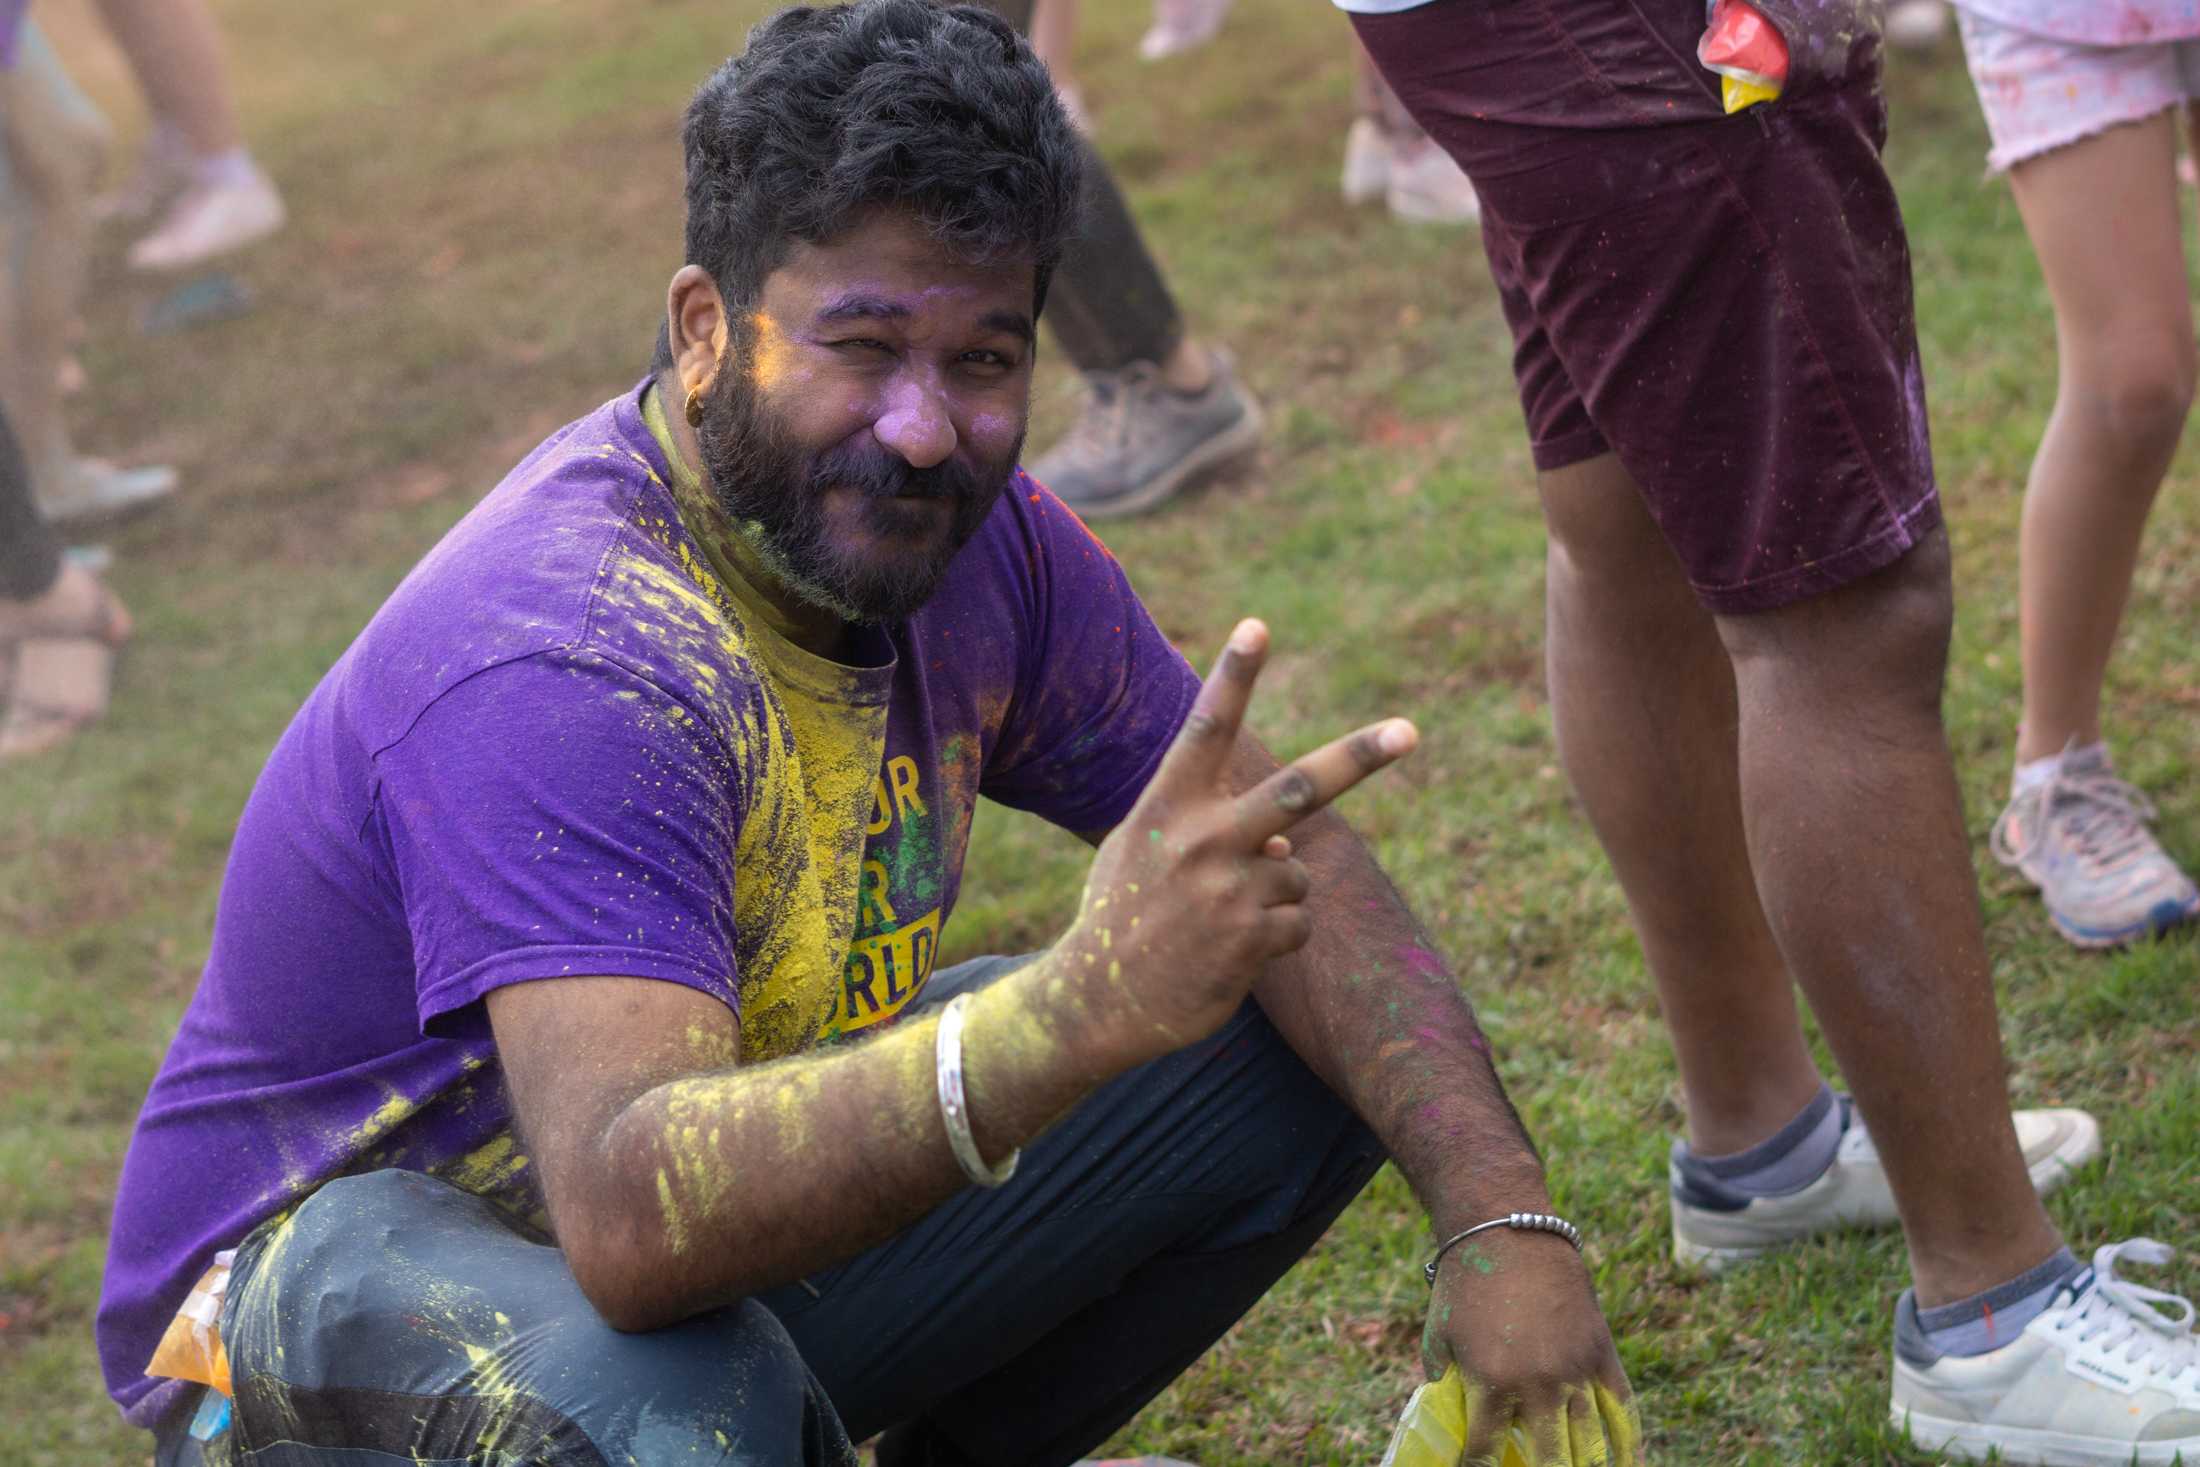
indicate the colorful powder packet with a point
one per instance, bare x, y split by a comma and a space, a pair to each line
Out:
1432, 1432
191, 1349
1747, 51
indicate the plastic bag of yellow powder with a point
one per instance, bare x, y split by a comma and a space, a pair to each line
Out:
1433, 1430
191, 1349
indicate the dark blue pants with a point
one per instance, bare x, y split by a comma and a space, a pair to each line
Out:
395, 1319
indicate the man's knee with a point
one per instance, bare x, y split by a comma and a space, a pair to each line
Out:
1880, 643
1600, 526
390, 1288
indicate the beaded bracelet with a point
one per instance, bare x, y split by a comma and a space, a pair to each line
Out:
1536, 1222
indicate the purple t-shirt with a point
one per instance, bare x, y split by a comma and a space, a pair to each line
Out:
562, 748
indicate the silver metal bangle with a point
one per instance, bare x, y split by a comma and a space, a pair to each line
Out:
955, 1110
1534, 1222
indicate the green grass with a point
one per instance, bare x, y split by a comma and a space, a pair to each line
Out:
486, 205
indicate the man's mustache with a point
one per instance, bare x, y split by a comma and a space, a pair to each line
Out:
878, 473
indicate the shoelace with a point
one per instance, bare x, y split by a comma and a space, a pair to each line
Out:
2120, 1316
1104, 429
2107, 819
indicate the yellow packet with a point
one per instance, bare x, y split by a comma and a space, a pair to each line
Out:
1737, 94
191, 1348
1433, 1430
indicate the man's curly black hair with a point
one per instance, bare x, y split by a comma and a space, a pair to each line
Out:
833, 111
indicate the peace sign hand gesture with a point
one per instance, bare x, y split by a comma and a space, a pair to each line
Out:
1197, 889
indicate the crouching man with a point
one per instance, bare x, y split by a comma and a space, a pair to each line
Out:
569, 1082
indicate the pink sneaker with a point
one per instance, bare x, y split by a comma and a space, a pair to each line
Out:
210, 219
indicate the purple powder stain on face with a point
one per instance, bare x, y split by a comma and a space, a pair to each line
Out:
913, 418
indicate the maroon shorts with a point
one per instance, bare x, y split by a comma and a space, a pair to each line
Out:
1722, 302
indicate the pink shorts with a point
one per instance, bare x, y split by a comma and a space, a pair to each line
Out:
2039, 93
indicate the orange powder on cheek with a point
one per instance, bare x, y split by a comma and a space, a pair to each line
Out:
774, 359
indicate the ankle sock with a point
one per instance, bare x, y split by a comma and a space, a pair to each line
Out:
1984, 1322
1787, 1161
223, 170
2033, 773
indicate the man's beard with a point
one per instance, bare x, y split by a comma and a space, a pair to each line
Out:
775, 491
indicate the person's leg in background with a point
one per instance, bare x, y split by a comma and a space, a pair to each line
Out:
55, 141
30, 556
225, 202
1387, 156
1053, 34
1161, 408
1648, 724
2126, 363
59, 625
1856, 836
1020, 1327
1642, 697
441, 1331
1779, 442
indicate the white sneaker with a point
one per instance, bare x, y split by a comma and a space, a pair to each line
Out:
91, 486
1182, 25
2104, 1377
1427, 187
1366, 162
1917, 25
1715, 1232
211, 219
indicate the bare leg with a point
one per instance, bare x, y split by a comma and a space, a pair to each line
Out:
175, 51
1054, 38
1644, 701
55, 155
1373, 98
2125, 332
1857, 839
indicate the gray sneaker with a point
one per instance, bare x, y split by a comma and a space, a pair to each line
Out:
2082, 839
1138, 441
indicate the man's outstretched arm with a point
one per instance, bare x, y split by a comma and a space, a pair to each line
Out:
1371, 1008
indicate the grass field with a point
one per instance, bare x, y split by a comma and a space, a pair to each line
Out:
486, 211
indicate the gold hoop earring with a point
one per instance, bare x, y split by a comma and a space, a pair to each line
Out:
695, 406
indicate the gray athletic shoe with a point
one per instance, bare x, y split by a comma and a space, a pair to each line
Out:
1138, 441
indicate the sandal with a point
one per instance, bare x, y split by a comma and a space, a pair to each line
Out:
61, 686
102, 618
57, 667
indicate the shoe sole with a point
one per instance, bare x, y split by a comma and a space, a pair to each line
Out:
2025, 1447
264, 229
70, 511
2166, 918
2047, 1174
1239, 438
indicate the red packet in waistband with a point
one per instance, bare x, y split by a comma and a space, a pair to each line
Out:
1747, 51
